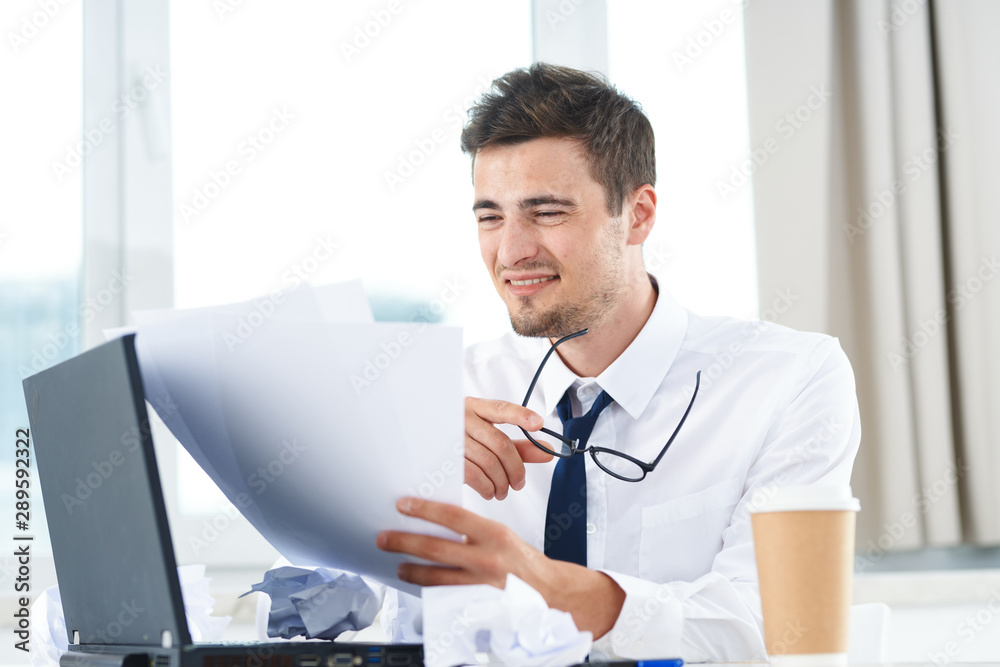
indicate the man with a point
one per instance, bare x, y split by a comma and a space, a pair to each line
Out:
564, 175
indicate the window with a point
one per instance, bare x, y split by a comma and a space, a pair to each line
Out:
319, 141
684, 62
41, 227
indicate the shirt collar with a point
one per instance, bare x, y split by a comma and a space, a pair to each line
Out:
555, 380
635, 375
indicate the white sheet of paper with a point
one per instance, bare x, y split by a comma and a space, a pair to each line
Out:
314, 423
177, 363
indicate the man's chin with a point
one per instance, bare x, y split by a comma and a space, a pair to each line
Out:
542, 325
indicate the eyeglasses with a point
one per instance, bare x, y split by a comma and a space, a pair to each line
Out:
617, 464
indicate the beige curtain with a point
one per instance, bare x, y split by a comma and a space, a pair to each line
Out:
857, 117
969, 89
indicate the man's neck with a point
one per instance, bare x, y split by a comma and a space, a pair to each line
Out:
590, 355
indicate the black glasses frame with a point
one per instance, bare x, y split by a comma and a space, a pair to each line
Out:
594, 451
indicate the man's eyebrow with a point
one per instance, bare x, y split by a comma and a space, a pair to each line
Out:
546, 200
485, 203
530, 202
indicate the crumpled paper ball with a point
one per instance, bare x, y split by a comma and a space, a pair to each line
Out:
318, 603
513, 626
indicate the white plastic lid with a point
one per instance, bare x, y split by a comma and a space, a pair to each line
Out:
809, 660
804, 498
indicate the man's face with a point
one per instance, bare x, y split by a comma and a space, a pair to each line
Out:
555, 254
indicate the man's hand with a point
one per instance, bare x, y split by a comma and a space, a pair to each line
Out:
493, 462
488, 552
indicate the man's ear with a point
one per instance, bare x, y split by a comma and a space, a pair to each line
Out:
640, 212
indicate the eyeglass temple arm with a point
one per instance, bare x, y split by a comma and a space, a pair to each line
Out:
569, 441
531, 387
697, 384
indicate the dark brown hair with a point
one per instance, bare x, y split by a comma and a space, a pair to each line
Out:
553, 101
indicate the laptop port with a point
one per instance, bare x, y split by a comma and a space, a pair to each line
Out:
397, 659
340, 660
308, 660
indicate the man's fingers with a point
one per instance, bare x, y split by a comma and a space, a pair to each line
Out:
529, 453
498, 458
456, 518
504, 412
494, 453
487, 552
435, 549
477, 479
430, 575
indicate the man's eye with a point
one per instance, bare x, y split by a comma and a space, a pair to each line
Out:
549, 214
489, 218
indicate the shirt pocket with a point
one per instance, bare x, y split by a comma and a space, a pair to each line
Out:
681, 537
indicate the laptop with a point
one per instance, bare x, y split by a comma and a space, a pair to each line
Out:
111, 544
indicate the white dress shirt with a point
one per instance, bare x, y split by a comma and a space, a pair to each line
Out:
775, 407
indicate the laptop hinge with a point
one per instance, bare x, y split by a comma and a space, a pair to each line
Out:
81, 659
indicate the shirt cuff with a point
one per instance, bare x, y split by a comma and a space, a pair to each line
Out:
649, 625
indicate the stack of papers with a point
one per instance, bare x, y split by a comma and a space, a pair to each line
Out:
312, 418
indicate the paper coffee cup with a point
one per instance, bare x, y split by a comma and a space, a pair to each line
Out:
804, 544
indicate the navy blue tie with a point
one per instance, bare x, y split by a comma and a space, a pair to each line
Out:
566, 515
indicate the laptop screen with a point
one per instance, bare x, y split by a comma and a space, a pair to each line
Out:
107, 521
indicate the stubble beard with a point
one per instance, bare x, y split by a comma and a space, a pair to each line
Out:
564, 319
554, 323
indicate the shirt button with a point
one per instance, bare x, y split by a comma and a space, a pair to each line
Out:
591, 529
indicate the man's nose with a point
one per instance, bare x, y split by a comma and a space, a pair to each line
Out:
517, 242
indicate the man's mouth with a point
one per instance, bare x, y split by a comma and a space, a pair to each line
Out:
530, 286
531, 281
